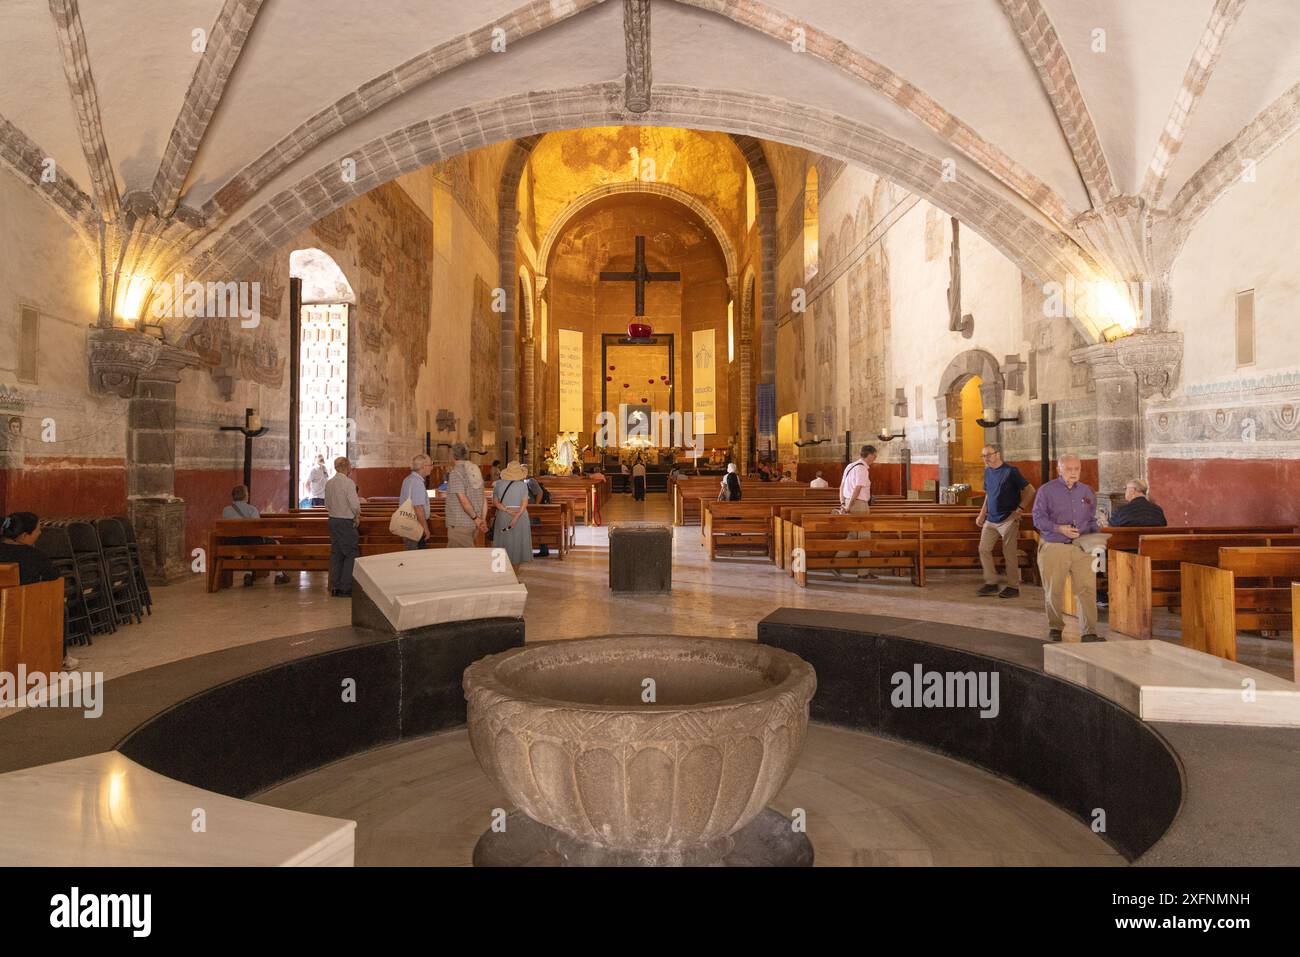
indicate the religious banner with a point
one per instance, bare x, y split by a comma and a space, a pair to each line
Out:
571, 380
703, 362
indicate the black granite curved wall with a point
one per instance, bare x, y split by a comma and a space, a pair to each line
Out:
1079, 750
262, 728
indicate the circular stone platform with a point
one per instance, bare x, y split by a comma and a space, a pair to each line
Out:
767, 841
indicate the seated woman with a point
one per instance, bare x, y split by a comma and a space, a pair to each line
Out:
18, 546
21, 529
512, 529
730, 485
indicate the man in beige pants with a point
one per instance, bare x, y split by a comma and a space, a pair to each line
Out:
1007, 495
855, 496
1064, 509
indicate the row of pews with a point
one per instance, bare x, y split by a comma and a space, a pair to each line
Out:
301, 540
1221, 581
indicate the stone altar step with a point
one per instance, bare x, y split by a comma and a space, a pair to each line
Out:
1161, 681
437, 585
105, 810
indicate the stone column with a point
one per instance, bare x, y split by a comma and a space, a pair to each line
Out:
145, 371
508, 221
1118, 456
1126, 372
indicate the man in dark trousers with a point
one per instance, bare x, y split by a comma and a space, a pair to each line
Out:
1007, 495
1137, 508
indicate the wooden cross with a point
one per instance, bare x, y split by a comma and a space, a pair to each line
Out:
640, 275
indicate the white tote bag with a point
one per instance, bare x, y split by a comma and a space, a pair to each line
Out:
405, 523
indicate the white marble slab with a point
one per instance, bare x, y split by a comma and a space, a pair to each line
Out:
436, 585
105, 810
1162, 681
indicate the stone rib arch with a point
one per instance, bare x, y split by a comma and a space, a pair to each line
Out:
1034, 246
666, 190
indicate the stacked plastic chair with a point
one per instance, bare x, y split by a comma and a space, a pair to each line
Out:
133, 548
56, 543
93, 576
116, 561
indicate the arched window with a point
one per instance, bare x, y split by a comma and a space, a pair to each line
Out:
731, 331
751, 199
810, 225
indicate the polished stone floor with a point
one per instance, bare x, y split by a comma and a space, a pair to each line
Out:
571, 598
868, 802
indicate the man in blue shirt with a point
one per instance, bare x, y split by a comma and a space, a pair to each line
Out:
1064, 509
415, 488
1007, 494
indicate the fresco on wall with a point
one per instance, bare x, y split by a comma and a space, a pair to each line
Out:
484, 353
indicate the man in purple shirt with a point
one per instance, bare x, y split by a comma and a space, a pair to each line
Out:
1064, 509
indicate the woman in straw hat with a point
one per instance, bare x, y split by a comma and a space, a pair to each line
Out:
512, 530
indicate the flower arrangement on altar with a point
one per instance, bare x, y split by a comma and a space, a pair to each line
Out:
561, 455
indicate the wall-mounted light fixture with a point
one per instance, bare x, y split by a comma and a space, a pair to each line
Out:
815, 440
886, 436
991, 419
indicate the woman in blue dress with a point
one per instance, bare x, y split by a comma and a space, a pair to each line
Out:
511, 529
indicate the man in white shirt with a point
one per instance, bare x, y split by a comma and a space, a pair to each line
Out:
316, 479
855, 494
415, 488
638, 481
344, 508
240, 507
819, 482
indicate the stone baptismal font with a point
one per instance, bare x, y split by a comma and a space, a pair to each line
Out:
641, 750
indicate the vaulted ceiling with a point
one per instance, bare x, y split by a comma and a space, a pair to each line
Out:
1048, 113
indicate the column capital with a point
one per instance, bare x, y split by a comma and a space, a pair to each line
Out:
120, 358
1156, 358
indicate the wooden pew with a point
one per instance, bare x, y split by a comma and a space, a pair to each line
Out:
31, 624
553, 528
302, 544
894, 545
929, 541
790, 516
1250, 590
739, 526
1150, 577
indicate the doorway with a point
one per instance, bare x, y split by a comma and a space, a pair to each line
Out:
967, 438
320, 417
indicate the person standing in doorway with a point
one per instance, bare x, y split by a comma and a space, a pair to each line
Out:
1007, 495
344, 508
1064, 509
416, 488
316, 480
466, 502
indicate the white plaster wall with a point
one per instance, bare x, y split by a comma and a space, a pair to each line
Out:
44, 263
1249, 239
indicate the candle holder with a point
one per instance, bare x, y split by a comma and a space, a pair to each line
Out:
887, 436
986, 422
813, 441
